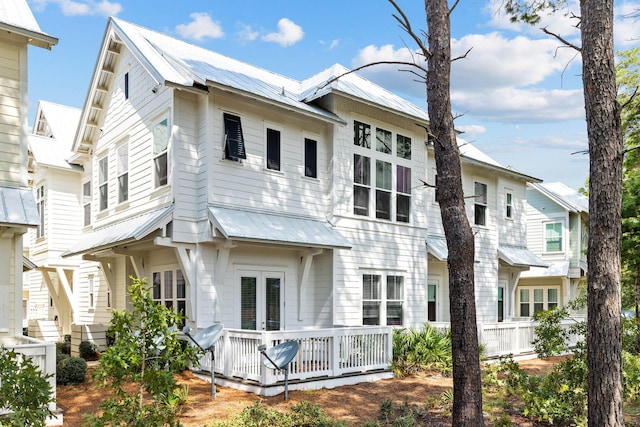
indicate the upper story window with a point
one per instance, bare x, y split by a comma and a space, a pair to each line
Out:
361, 184
273, 149
86, 202
480, 204
403, 146
508, 200
123, 173
362, 134
233, 139
310, 158
382, 304
160, 154
553, 237
383, 141
103, 182
40, 204
126, 85
392, 174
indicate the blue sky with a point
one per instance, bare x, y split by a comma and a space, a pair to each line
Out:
517, 93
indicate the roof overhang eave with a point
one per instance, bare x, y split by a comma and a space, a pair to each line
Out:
246, 94
33, 37
501, 169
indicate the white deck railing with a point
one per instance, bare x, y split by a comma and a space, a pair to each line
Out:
42, 353
322, 353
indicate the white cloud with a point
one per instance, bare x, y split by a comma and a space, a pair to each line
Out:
626, 27
471, 132
247, 34
81, 8
288, 33
200, 27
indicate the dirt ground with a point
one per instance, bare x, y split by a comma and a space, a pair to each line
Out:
353, 404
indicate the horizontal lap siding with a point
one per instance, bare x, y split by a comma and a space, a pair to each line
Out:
12, 116
540, 210
249, 184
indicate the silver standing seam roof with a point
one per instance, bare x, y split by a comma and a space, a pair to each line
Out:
518, 256
437, 246
16, 17
239, 224
128, 230
18, 207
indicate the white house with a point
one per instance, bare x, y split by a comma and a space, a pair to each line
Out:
282, 209
18, 212
557, 231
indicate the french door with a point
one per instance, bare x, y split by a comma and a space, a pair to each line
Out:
261, 300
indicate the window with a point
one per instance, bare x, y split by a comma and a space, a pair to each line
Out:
553, 237
92, 301
310, 158
403, 148
160, 159
382, 305
436, 194
508, 205
233, 139
126, 85
40, 204
169, 288
395, 298
383, 141
544, 298
480, 205
362, 134
361, 184
86, 202
123, 173
273, 149
103, 182
403, 196
431, 303
383, 189
500, 304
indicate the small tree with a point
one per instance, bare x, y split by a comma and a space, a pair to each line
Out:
24, 391
146, 354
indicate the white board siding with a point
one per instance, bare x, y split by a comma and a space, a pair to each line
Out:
540, 210
13, 82
511, 231
248, 183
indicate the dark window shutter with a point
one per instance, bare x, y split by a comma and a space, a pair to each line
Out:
234, 141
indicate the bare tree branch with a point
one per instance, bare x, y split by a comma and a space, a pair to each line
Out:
451, 9
631, 98
462, 56
562, 40
406, 26
331, 80
627, 150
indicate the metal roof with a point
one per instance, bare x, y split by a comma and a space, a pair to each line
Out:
18, 207
127, 230
518, 256
238, 224
437, 246
555, 269
564, 195
16, 17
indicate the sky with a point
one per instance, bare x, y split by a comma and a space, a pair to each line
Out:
516, 92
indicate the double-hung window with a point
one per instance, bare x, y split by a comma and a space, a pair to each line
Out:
160, 152
123, 173
508, 201
534, 300
383, 189
169, 289
40, 204
553, 237
233, 138
382, 299
103, 182
403, 193
480, 204
310, 158
86, 202
273, 149
361, 184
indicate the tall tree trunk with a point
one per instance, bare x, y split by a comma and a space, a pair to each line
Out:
604, 346
467, 387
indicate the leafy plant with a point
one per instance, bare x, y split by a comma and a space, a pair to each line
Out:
419, 350
88, 350
146, 353
303, 414
71, 370
24, 391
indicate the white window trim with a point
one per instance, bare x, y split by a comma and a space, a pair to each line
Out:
383, 293
563, 235
531, 302
507, 192
103, 183
303, 164
120, 173
279, 128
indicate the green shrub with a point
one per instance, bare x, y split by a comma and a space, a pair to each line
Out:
419, 350
71, 370
24, 391
303, 414
64, 347
88, 350
60, 357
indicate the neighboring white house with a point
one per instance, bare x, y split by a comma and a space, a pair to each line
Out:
557, 231
283, 209
18, 213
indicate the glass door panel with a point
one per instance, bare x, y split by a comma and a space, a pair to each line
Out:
261, 300
248, 306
